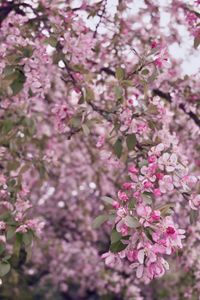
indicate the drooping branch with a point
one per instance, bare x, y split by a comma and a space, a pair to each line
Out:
168, 97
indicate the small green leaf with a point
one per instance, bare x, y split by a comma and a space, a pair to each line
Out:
86, 129
27, 51
131, 203
18, 83
126, 83
13, 165
131, 222
120, 73
108, 200
27, 238
89, 94
4, 268
30, 126
118, 147
98, 221
75, 122
7, 257
7, 125
147, 197
52, 41
166, 209
2, 248
118, 92
131, 141
8, 70
17, 244
10, 232
148, 234
117, 247
194, 214
80, 69
115, 236
145, 72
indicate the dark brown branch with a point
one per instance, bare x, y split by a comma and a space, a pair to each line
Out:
108, 71
100, 16
7, 7
168, 97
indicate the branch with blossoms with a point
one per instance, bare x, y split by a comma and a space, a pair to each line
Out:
83, 114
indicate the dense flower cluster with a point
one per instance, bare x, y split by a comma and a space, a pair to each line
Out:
93, 106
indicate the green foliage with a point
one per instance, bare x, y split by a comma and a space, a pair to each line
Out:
107, 200
118, 93
98, 221
52, 41
4, 268
131, 222
131, 141
115, 236
120, 73
117, 246
118, 147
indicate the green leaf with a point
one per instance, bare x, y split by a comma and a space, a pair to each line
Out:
4, 268
118, 92
98, 221
7, 126
80, 69
89, 94
17, 244
131, 141
13, 165
8, 70
147, 197
75, 121
194, 214
148, 234
131, 222
131, 203
126, 83
2, 248
145, 72
117, 247
27, 238
52, 41
30, 126
5, 216
120, 73
108, 200
166, 209
10, 232
27, 51
118, 147
86, 129
18, 83
115, 236
7, 257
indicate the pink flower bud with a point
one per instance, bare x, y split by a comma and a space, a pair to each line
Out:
152, 159
122, 196
157, 192
159, 175
127, 185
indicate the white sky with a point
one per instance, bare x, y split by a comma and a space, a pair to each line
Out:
191, 64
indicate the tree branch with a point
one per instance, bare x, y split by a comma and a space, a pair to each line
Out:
168, 97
